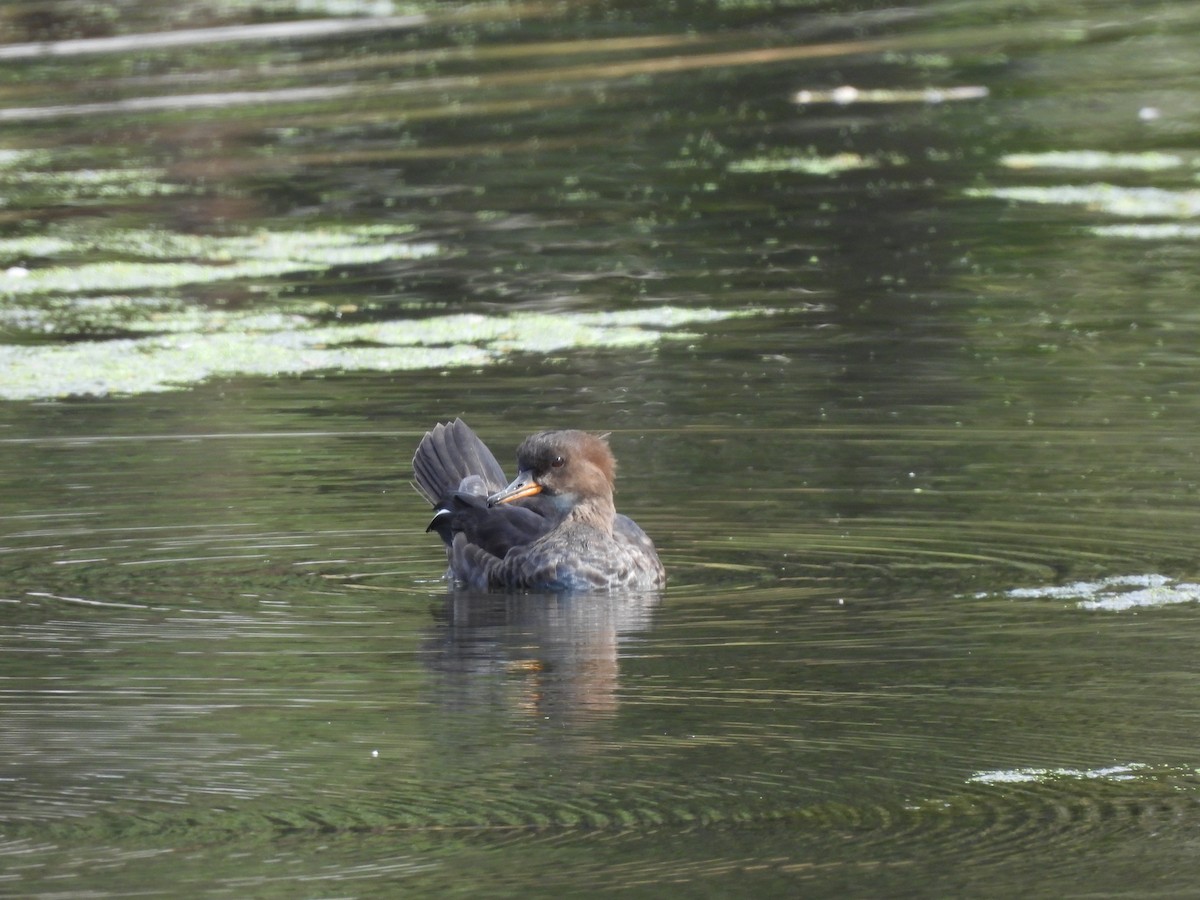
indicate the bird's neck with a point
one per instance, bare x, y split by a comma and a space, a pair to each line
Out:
595, 511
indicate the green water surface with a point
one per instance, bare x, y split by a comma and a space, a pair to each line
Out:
891, 314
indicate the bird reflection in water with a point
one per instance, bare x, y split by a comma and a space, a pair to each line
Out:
545, 655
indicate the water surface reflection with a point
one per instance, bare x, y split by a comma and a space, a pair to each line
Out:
555, 657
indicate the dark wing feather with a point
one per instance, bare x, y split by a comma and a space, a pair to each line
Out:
447, 456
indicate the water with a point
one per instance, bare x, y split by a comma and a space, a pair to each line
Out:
903, 385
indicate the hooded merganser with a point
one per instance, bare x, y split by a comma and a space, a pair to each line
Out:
553, 528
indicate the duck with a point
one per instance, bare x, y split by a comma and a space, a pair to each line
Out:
554, 528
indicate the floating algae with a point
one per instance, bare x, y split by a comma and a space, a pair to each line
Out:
280, 345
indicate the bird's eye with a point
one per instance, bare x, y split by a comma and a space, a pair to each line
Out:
557, 463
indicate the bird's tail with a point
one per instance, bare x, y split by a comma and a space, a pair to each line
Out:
450, 454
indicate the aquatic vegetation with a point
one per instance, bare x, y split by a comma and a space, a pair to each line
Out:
274, 344
157, 340
10, 158
1135, 202
89, 184
848, 94
804, 164
1156, 231
1126, 772
1116, 593
196, 259
1093, 159
38, 176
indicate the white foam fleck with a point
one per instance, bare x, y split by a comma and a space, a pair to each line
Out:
1125, 772
1116, 593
